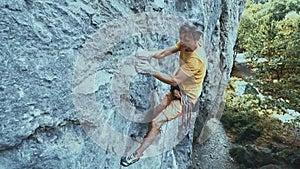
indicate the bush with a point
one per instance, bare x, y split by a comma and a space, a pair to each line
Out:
248, 120
243, 125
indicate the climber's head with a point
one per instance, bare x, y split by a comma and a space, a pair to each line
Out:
189, 36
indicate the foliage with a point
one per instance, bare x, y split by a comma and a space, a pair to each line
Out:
248, 119
240, 120
241, 155
272, 30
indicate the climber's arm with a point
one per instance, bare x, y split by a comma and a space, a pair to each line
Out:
179, 77
165, 52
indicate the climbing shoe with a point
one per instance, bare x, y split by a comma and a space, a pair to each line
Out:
126, 161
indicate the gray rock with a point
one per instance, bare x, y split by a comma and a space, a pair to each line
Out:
41, 46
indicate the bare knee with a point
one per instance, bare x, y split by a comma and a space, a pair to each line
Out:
156, 124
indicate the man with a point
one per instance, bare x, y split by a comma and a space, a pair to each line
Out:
186, 85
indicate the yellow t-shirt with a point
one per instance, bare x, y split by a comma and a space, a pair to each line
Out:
194, 66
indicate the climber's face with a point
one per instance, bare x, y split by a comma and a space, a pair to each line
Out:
188, 43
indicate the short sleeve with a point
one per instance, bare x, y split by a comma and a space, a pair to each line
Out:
178, 45
191, 67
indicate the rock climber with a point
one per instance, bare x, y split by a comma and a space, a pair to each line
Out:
186, 85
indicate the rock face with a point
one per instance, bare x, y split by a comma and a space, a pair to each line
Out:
47, 50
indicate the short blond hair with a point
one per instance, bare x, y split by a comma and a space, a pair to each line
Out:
190, 28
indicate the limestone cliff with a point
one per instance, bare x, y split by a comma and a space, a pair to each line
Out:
68, 88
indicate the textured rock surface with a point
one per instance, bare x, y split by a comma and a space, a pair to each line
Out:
40, 44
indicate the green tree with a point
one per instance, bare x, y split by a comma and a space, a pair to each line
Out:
272, 30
